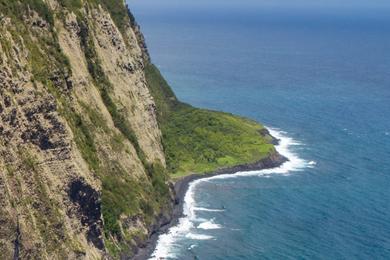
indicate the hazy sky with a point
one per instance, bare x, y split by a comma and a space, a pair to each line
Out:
265, 3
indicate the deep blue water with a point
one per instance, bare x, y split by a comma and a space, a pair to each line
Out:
324, 79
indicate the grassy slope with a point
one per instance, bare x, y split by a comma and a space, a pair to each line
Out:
199, 140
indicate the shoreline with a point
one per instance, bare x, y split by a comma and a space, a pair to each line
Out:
181, 187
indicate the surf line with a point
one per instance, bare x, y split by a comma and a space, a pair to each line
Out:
186, 228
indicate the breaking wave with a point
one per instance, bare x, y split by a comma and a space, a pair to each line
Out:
187, 228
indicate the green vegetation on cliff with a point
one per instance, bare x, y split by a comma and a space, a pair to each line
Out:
200, 141
16, 9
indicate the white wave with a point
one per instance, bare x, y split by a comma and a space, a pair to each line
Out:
166, 242
292, 165
209, 225
387, 133
208, 210
198, 236
191, 247
311, 164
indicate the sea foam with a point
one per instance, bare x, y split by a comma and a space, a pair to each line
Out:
166, 244
209, 225
198, 236
209, 210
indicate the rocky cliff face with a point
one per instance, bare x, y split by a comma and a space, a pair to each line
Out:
82, 168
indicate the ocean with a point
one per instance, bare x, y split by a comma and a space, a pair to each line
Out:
320, 80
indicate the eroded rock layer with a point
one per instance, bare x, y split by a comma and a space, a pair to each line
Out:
82, 169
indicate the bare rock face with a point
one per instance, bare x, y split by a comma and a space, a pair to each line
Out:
38, 161
124, 68
63, 154
88, 204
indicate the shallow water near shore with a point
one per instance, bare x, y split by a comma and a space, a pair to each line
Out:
322, 78
193, 227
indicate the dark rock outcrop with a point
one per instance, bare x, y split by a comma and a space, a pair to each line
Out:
88, 205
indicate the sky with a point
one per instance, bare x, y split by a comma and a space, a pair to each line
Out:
374, 4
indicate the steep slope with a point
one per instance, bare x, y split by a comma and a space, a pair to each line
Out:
80, 144
91, 134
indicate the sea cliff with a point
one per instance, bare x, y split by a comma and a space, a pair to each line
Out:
91, 136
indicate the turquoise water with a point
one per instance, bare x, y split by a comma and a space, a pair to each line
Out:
321, 79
